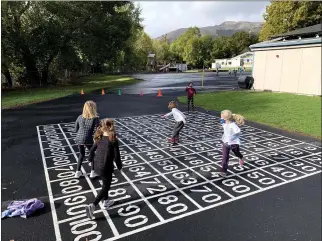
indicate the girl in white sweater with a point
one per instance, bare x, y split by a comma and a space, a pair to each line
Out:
230, 138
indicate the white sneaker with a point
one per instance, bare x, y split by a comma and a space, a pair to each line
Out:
78, 174
108, 203
90, 211
93, 174
90, 164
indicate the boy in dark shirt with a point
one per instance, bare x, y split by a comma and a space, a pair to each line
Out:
190, 93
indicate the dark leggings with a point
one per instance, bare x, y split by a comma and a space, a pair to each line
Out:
225, 154
190, 101
82, 155
103, 194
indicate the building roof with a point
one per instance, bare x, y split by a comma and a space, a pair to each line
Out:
242, 55
288, 43
311, 30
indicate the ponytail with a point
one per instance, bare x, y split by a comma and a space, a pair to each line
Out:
239, 119
98, 134
111, 133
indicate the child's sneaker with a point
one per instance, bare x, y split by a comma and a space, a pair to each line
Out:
78, 174
170, 140
90, 211
223, 174
93, 174
90, 164
241, 162
108, 203
176, 140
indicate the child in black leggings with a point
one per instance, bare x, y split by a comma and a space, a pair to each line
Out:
85, 126
106, 150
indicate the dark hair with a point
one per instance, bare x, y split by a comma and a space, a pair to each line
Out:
172, 104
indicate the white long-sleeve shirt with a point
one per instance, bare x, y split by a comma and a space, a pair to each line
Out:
231, 134
177, 115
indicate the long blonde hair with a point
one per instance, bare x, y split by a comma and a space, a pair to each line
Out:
89, 110
106, 125
238, 119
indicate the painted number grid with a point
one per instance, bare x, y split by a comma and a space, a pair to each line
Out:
161, 183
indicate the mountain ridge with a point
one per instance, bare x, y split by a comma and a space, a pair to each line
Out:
227, 28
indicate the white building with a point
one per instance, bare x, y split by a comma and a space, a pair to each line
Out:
245, 60
291, 62
182, 67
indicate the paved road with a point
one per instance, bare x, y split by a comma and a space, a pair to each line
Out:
176, 82
287, 212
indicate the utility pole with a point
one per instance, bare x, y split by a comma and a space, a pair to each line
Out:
203, 74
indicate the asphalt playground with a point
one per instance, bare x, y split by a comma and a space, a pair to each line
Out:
165, 193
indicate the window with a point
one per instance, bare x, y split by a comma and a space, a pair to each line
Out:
247, 60
222, 62
229, 63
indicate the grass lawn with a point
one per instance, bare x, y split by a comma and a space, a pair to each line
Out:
89, 83
297, 113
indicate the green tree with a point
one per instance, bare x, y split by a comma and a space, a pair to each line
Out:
284, 16
221, 48
188, 47
240, 42
39, 33
206, 43
162, 50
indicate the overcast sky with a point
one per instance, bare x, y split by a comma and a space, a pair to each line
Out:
161, 17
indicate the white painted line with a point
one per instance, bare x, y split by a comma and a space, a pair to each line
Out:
195, 203
215, 164
50, 193
143, 198
70, 164
191, 168
206, 208
74, 194
208, 181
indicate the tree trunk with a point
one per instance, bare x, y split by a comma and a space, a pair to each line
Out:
44, 76
30, 64
5, 71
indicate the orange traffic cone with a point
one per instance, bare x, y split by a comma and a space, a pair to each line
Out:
159, 93
141, 94
103, 92
82, 92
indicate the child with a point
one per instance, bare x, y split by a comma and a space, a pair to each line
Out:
230, 138
191, 92
107, 152
85, 127
181, 121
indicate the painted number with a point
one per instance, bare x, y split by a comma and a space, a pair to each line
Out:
235, 185
174, 208
135, 221
261, 178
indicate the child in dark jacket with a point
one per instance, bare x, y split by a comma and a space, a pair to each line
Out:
106, 148
190, 93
